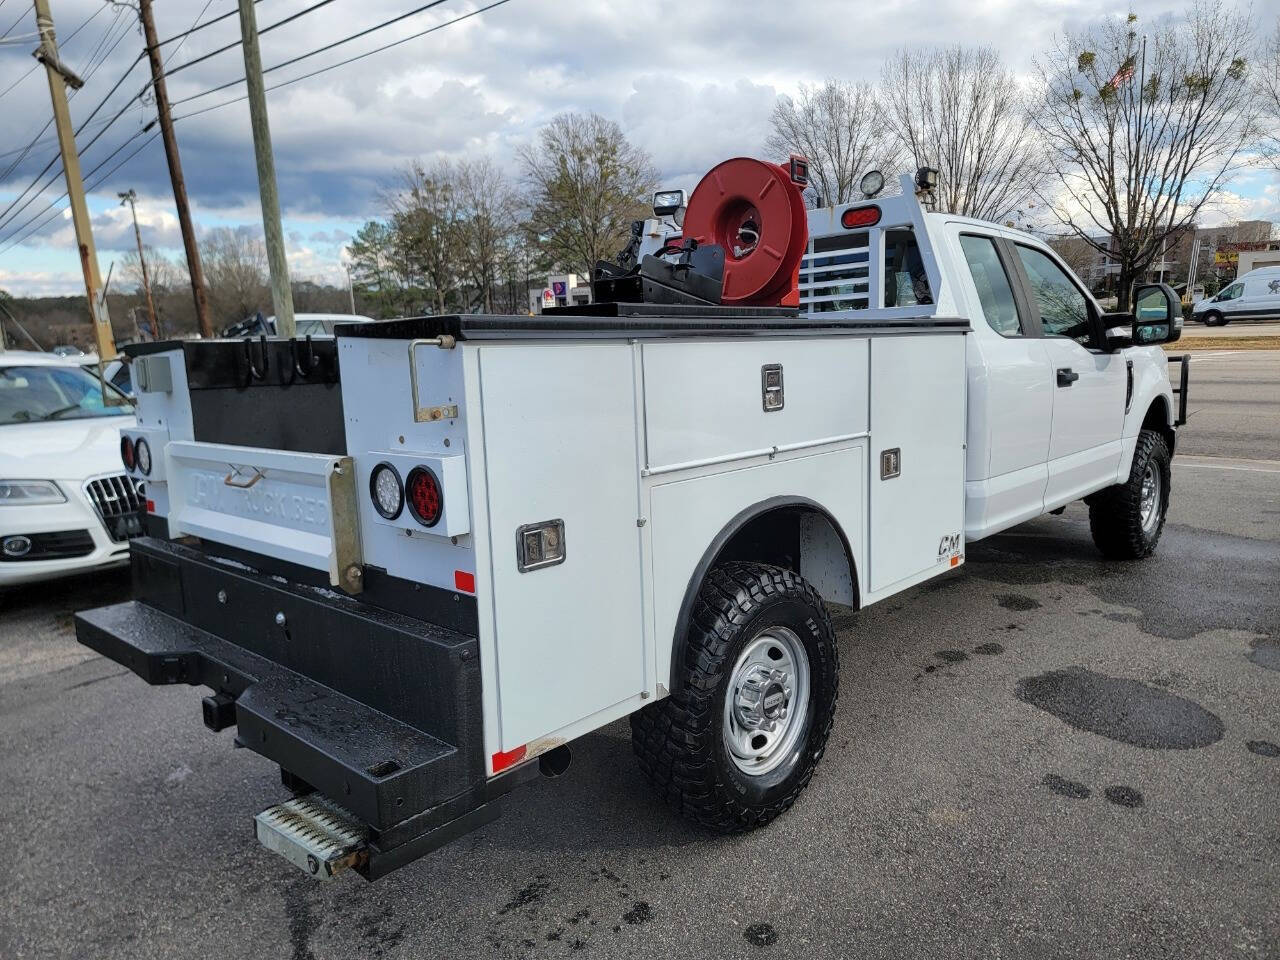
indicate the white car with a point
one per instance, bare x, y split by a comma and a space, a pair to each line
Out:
66, 504
1254, 296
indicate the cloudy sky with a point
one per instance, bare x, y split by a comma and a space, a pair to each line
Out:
692, 83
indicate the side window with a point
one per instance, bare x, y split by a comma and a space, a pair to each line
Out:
994, 290
1232, 292
1064, 312
905, 282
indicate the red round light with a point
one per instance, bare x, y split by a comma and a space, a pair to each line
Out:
426, 501
860, 217
127, 453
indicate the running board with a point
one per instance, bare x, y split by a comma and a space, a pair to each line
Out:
314, 834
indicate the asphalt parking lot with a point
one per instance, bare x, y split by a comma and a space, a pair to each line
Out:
1039, 755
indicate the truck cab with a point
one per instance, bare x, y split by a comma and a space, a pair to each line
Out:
1057, 390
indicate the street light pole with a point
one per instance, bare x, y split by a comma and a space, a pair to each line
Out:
131, 198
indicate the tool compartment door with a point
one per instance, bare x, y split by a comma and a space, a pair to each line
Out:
918, 385
560, 444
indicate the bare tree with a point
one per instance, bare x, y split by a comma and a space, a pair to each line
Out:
1269, 95
959, 110
1142, 132
167, 276
839, 127
586, 183
235, 272
424, 209
486, 223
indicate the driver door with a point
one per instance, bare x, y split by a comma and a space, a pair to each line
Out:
1088, 384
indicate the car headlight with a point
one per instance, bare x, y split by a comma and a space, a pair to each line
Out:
29, 493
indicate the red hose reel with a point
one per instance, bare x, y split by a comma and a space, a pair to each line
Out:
754, 210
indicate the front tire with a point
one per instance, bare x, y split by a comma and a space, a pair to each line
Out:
1214, 319
738, 741
1126, 519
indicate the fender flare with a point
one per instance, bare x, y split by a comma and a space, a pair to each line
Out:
717, 545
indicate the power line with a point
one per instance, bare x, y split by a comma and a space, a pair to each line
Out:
340, 63
90, 187
318, 50
224, 103
195, 29
12, 25
231, 46
101, 163
71, 36
5, 216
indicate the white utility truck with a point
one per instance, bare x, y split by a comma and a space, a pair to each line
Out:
415, 562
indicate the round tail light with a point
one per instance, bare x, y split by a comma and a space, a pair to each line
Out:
385, 491
426, 501
142, 453
127, 453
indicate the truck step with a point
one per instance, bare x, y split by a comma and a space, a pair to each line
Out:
314, 834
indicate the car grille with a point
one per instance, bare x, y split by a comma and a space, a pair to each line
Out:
118, 500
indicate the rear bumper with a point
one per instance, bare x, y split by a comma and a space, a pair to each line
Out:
378, 711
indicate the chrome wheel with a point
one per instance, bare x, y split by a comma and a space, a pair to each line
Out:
767, 703
1149, 499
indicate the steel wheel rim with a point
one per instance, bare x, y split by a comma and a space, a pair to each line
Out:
767, 701
1149, 500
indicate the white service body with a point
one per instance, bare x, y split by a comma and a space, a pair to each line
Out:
902, 434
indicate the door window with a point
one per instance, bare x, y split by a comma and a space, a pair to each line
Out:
1064, 312
994, 290
1232, 292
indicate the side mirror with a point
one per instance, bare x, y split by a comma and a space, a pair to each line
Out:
1157, 315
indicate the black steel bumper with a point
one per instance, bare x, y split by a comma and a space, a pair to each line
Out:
379, 711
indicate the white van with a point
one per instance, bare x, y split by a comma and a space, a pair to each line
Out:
1254, 296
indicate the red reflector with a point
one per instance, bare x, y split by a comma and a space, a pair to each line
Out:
464, 581
509, 759
151, 506
422, 490
860, 217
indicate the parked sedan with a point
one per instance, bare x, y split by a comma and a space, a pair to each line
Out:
66, 505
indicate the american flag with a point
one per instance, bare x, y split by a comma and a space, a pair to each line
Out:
1124, 74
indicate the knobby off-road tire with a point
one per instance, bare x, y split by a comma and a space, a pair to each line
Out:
1121, 528
748, 620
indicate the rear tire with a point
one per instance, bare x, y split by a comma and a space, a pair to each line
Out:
1126, 519
739, 739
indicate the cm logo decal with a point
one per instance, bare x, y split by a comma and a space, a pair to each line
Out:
948, 545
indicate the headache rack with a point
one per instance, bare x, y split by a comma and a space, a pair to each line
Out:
870, 260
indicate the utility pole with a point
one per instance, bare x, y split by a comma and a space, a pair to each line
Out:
59, 76
281, 293
194, 269
131, 199
351, 289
